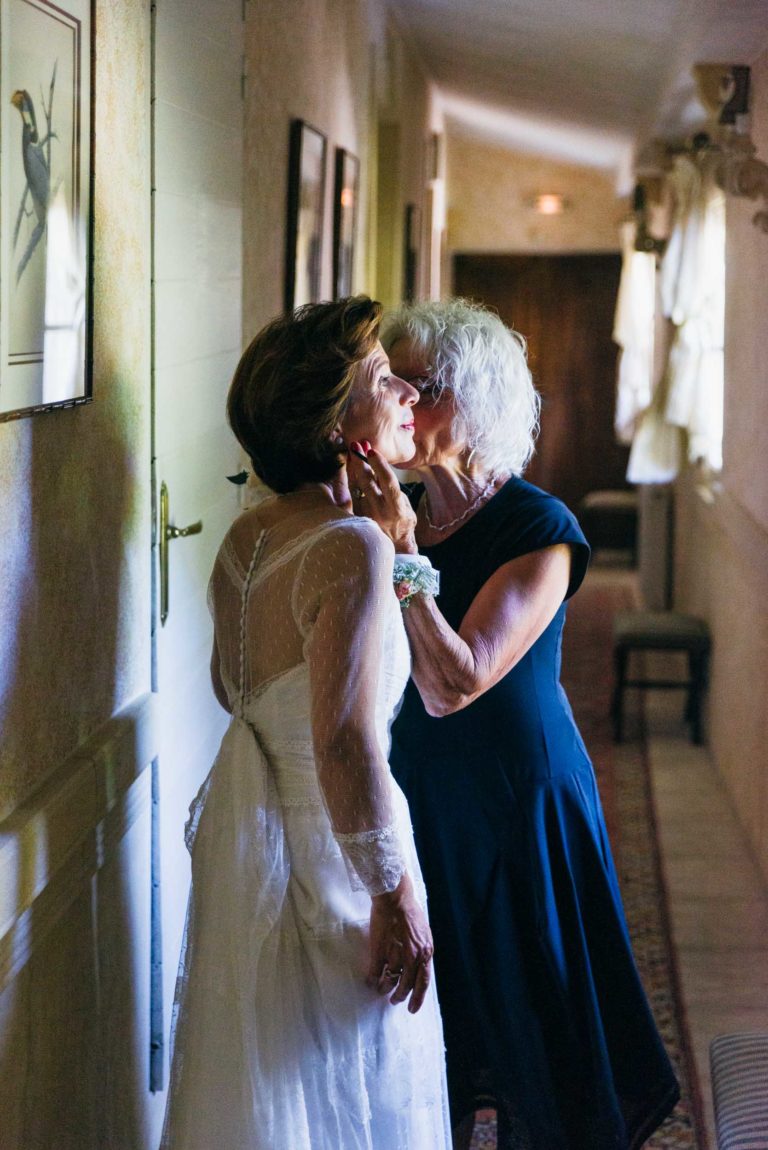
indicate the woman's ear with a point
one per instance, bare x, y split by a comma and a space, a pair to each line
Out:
337, 439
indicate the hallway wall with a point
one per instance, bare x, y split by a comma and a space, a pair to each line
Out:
75, 679
74, 512
344, 68
721, 568
489, 192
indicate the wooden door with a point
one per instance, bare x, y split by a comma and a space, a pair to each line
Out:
197, 125
564, 306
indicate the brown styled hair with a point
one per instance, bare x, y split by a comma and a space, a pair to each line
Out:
292, 386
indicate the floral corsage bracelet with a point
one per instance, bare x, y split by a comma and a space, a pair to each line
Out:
414, 575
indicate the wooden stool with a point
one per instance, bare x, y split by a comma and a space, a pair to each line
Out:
739, 1065
661, 631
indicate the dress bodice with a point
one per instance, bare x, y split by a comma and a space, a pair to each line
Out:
274, 577
280, 714
310, 638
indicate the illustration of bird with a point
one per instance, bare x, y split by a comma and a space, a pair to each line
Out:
36, 158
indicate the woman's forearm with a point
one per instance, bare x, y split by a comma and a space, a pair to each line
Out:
354, 779
443, 665
353, 776
450, 668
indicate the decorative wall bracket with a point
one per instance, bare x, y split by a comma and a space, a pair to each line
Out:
724, 91
742, 174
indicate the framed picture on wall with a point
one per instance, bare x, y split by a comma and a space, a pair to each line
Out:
46, 103
345, 198
411, 235
306, 199
433, 157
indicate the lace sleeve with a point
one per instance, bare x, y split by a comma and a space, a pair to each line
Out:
341, 602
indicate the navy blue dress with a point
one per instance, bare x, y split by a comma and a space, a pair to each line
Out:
545, 1017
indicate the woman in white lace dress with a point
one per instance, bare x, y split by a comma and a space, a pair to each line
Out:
306, 929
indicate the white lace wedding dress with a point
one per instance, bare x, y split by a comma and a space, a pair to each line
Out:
279, 1043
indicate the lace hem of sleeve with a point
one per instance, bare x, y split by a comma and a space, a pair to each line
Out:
374, 859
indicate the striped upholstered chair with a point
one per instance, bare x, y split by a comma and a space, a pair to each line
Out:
739, 1065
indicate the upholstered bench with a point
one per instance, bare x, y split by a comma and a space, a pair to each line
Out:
661, 631
739, 1064
609, 520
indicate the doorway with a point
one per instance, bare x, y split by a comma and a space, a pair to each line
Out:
564, 306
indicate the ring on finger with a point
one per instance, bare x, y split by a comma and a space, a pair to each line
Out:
358, 493
389, 973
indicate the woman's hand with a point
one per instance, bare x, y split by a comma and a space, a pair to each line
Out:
401, 946
376, 493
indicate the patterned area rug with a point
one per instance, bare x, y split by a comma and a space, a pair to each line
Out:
622, 774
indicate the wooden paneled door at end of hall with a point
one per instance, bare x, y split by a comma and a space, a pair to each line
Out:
564, 306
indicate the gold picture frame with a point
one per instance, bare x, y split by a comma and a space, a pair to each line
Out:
345, 200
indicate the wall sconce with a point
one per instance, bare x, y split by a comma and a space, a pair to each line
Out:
549, 204
724, 91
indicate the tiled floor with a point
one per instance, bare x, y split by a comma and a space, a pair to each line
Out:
718, 902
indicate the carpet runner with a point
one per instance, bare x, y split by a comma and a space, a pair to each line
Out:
623, 779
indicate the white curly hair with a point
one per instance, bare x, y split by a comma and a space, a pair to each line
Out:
483, 364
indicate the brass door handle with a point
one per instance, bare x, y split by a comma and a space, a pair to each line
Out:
167, 533
182, 532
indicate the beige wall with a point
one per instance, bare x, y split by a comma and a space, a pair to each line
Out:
340, 66
746, 393
74, 504
489, 187
75, 530
722, 542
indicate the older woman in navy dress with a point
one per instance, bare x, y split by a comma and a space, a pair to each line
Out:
545, 1016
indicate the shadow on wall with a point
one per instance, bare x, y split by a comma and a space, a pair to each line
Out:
70, 1037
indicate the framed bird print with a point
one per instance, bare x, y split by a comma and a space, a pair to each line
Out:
306, 201
344, 221
45, 205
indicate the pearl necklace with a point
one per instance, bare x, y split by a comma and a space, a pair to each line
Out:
484, 494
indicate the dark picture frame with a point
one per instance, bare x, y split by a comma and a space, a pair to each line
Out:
46, 217
433, 156
345, 198
411, 243
306, 211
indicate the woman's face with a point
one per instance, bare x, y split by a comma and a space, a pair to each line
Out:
433, 440
381, 409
